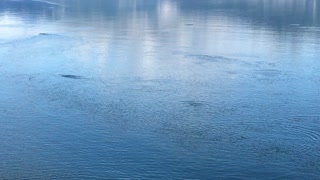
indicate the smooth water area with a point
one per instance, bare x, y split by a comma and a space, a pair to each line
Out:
160, 89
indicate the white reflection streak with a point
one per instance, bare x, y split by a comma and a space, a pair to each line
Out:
8, 19
167, 12
314, 11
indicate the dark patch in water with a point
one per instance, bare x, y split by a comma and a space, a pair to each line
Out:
44, 34
306, 118
194, 103
72, 76
189, 24
269, 72
274, 150
49, 34
231, 72
209, 58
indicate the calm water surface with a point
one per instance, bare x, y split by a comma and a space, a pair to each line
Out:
160, 89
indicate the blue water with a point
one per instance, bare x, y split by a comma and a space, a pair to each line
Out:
160, 89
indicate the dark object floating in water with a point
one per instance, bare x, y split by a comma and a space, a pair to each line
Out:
44, 34
189, 24
72, 76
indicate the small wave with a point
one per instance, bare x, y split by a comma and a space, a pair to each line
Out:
34, 37
304, 132
307, 126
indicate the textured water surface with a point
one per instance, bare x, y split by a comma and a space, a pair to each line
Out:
159, 89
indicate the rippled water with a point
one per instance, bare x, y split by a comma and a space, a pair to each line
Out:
159, 89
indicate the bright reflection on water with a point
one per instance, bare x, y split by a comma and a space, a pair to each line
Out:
160, 89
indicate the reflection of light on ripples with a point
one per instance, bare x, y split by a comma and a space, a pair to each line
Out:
305, 131
296, 136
